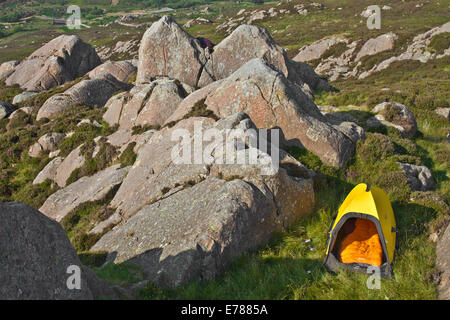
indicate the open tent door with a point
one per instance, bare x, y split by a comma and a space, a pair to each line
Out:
363, 233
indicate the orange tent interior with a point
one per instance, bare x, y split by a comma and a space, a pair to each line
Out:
359, 242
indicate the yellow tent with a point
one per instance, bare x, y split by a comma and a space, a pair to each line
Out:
363, 233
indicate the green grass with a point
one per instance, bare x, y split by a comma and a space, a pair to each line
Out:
280, 270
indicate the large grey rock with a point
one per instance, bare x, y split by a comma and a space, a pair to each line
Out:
49, 171
394, 114
93, 92
92, 188
24, 96
166, 50
65, 58
121, 70
6, 109
184, 221
271, 100
6, 68
154, 171
443, 264
35, 255
376, 45
419, 178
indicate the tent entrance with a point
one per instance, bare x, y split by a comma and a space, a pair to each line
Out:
357, 238
358, 241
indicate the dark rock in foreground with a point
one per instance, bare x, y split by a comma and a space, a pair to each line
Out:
35, 255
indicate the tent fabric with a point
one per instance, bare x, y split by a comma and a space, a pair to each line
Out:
369, 204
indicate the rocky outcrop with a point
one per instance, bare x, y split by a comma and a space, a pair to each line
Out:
92, 188
146, 105
65, 58
167, 50
6, 109
394, 114
6, 68
443, 265
417, 50
36, 257
183, 221
271, 100
121, 70
339, 63
93, 92
419, 178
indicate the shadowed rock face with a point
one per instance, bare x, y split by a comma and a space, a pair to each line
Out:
185, 221
34, 256
271, 100
6, 109
167, 50
65, 58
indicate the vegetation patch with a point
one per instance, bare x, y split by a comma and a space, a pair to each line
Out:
440, 43
128, 156
83, 218
104, 157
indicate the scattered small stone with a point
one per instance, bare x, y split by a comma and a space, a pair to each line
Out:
434, 237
